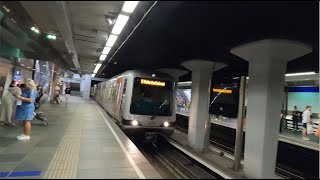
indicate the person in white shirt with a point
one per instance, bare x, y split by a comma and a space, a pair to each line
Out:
306, 118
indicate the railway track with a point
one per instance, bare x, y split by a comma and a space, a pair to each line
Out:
228, 152
174, 163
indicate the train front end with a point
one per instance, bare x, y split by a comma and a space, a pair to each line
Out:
151, 107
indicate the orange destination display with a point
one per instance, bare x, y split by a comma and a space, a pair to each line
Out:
152, 83
227, 91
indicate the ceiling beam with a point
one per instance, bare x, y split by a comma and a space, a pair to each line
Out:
61, 15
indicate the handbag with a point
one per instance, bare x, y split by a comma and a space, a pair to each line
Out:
309, 128
18, 102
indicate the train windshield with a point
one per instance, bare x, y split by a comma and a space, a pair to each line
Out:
151, 97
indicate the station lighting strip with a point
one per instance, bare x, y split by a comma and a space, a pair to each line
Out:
289, 74
121, 21
48, 36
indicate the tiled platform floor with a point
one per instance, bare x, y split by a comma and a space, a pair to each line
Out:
77, 143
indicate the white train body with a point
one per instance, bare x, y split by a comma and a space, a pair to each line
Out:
139, 101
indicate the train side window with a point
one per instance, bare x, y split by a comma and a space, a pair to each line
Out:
124, 87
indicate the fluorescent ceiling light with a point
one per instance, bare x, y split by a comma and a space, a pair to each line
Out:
103, 57
129, 6
301, 74
92, 75
34, 29
5, 8
97, 68
119, 25
50, 36
106, 50
186, 82
111, 40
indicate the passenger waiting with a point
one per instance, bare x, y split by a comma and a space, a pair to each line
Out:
57, 92
25, 111
9, 105
67, 93
306, 119
296, 117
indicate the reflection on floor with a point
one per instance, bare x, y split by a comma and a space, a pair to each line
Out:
287, 135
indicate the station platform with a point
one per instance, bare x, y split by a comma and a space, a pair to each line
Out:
81, 141
292, 137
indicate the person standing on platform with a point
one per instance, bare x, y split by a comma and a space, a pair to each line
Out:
306, 119
57, 92
295, 118
67, 93
9, 105
25, 111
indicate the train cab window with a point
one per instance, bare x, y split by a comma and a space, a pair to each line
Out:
124, 86
151, 97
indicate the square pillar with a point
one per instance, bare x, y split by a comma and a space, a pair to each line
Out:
199, 105
85, 85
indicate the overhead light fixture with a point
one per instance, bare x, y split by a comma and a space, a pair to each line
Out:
50, 36
5, 8
93, 75
129, 6
96, 69
301, 74
34, 29
103, 57
186, 82
22, 64
111, 40
106, 50
120, 23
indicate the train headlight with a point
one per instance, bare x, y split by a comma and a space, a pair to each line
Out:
135, 123
166, 124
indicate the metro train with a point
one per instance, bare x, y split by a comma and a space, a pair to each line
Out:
141, 102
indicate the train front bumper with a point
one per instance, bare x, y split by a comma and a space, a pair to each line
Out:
141, 130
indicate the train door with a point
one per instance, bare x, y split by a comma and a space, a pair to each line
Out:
123, 96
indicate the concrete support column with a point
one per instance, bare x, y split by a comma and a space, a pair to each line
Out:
85, 85
199, 105
53, 84
267, 68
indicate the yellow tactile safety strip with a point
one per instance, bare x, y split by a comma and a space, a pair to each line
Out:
65, 161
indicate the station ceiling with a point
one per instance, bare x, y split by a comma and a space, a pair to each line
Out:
170, 32
175, 32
